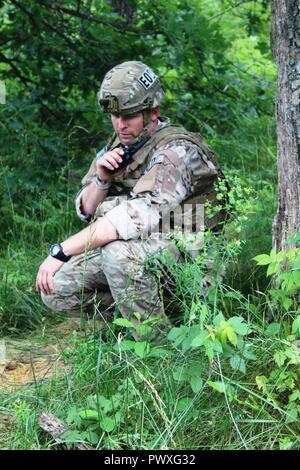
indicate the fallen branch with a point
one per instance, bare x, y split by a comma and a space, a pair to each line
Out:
55, 427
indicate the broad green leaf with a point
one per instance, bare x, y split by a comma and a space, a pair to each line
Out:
143, 329
224, 331
204, 313
105, 404
137, 315
92, 415
292, 353
107, 424
183, 404
142, 348
209, 351
91, 402
233, 295
296, 325
279, 358
273, 268
261, 381
218, 318
174, 333
294, 396
220, 387
73, 416
180, 373
263, 260
217, 386
200, 339
292, 415
186, 344
217, 346
194, 308
281, 256
289, 283
211, 332
232, 336
277, 293
238, 363
248, 354
125, 345
196, 383
294, 238
71, 435
273, 329
273, 255
287, 303
295, 263
296, 276
91, 437
239, 325
160, 352
124, 322
194, 368
179, 340
152, 321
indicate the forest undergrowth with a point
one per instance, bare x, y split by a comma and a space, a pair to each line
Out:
224, 377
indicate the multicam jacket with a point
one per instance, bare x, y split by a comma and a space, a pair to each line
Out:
172, 168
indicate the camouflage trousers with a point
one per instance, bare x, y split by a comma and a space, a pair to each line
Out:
90, 283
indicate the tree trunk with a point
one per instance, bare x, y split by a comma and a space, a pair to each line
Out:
285, 40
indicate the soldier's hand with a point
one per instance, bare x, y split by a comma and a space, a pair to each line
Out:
110, 161
44, 278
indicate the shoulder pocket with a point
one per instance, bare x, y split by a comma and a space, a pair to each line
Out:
147, 182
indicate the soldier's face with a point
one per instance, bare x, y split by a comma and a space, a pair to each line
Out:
128, 127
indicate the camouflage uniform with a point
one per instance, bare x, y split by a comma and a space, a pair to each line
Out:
163, 174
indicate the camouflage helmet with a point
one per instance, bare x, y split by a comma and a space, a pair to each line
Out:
130, 87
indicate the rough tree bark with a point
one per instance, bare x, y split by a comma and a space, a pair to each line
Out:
285, 40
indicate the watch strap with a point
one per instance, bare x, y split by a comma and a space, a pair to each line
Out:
60, 255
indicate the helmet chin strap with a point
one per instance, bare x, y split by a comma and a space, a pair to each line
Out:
147, 122
147, 125
147, 119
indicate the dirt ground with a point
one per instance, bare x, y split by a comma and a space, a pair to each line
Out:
37, 358
30, 360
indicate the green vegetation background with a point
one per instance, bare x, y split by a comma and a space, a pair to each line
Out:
215, 62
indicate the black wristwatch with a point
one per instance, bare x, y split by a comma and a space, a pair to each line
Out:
57, 252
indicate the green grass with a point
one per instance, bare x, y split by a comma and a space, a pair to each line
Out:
150, 409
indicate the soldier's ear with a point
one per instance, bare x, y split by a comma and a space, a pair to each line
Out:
154, 113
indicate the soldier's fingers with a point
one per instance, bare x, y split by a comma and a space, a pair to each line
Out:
114, 158
110, 163
43, 282
118, 151
39, 282
50, 286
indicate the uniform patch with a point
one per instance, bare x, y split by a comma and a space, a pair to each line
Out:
147, 78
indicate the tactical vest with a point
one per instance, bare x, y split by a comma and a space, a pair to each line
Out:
204, 169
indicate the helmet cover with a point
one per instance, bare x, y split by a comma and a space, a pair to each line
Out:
130, 87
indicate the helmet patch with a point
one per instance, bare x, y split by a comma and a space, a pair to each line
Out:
147, 78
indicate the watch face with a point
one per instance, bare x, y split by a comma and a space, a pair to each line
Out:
55, 249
